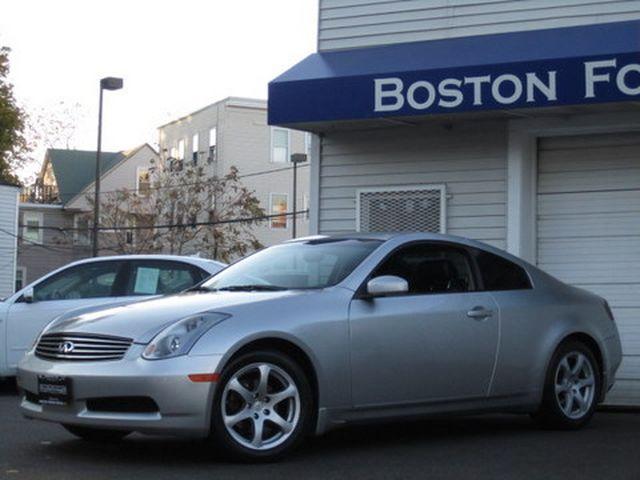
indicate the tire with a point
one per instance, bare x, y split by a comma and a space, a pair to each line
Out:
254, 420
96, 434
571, 389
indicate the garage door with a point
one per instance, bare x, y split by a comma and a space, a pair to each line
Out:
589, 231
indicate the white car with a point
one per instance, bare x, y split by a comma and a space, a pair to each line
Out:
87, 283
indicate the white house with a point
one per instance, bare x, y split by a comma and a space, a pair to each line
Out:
512, 122
9, 195
234, 133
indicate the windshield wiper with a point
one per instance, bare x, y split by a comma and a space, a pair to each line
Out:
251, 288
200, 288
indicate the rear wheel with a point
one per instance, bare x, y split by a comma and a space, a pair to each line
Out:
262, 407
572, 388
96, 434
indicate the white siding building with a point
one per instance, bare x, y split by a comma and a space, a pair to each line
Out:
366, 23
513, 122
234, 133
9, 195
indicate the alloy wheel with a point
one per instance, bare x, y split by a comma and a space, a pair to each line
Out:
575, 385
260, 406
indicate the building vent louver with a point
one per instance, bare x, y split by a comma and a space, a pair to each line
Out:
418, 208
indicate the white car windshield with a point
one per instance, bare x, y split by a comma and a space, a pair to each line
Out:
302, 265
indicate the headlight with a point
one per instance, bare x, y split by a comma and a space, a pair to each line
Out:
178, 338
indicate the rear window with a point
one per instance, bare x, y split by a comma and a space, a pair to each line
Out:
498, 273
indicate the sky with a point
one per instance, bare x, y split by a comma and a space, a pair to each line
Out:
174, 56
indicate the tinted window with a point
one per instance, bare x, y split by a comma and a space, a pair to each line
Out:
500, 274
310, 264
92, 280
430, 268
157, 277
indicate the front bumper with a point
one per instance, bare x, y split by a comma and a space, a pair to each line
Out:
183, 406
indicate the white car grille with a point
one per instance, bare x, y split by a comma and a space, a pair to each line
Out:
81, 346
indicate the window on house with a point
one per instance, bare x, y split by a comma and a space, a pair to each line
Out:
195, 146
279, 145
418, 208
130, 235
213, 145
180, 155
82, 229
143, 182
32, 231
176, 165
21, 278
279, 205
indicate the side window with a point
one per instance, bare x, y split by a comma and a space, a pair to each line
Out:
92, 280
430, 268
158, 277
279, 145
500, 274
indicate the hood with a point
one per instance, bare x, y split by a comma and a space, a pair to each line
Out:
142, 321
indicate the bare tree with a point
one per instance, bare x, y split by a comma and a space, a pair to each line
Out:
51, 127
126, 222
182, 210
211, 215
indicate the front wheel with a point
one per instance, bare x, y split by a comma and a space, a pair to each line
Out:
572, 388
96, 434
262, 407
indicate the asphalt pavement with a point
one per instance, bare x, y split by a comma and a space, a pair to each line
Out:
484, 447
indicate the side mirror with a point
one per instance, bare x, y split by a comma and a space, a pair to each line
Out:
27, 296
387, 285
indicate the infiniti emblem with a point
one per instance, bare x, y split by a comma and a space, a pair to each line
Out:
66, 347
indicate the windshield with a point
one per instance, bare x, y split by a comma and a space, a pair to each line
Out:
311, 264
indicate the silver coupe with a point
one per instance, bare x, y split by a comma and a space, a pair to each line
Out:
325, 331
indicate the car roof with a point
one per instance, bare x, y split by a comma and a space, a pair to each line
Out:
202, 262
348, 236
402, 237
386, 236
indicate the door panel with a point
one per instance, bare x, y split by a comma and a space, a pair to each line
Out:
422, 348
79, 286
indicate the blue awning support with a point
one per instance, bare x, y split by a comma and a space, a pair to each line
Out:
554, 67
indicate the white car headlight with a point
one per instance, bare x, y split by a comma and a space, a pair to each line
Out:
178, 338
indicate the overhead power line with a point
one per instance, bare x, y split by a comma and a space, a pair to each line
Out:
174, 225
51, 247
186, 184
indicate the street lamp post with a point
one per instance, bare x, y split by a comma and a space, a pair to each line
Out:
296, 158
107, 83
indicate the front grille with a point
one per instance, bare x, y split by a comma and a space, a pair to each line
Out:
82, 347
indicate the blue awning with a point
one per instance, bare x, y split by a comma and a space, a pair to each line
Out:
565, 66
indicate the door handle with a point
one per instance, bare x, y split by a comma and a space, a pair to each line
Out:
479, 313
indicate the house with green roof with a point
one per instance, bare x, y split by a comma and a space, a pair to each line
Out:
54, 212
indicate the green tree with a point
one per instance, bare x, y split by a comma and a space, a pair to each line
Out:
13, 145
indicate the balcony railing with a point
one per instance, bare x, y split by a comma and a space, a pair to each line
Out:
40, 194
